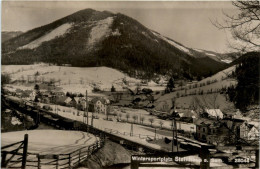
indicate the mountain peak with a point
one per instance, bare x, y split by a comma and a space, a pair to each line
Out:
87, 15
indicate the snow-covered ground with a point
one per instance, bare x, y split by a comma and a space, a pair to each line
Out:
221, 81
74, 79
50, 141
140, 133
59, 31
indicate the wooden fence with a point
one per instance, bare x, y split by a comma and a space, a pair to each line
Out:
11, 157
60, 161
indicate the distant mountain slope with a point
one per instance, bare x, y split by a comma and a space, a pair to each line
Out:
6, 35
91, 38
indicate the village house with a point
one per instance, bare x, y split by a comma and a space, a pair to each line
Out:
47, 97
204, 128
243, 129
70, 102
80, 103
188, 116
253, 132
100, 105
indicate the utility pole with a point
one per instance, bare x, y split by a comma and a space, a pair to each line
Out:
172, 134
176, 133
92, 118
86, 109
132, 130
155, 133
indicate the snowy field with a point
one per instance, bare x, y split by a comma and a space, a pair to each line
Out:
50, 144
221, 81
74, 79
50, 141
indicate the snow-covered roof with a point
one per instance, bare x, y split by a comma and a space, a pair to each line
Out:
103, 100
215, 113
68, 99
76, 99
188, 113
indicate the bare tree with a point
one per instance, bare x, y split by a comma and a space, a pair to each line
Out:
127, 116
134, 118
244, 26
142, 119
161, 123
151, 120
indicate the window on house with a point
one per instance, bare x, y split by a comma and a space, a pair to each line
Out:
203, 129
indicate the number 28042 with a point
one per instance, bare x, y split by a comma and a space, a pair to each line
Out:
242, 160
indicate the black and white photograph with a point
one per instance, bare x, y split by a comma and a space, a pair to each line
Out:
130, 84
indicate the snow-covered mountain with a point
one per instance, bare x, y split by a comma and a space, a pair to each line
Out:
90, 38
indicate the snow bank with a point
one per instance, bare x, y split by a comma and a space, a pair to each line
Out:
59, 31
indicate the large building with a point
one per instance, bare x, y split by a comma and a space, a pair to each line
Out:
100, 105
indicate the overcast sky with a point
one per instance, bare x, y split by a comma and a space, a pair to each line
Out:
185, 22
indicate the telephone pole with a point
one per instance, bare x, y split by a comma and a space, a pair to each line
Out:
132, 130
86, 109
174, 132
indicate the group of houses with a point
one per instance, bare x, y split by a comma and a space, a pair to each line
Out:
96, 104
215, 127
225, 129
